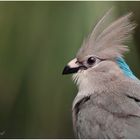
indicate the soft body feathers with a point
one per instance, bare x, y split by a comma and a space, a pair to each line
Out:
108, 101
110, 112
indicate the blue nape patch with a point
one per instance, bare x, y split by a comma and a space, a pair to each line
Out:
125, 68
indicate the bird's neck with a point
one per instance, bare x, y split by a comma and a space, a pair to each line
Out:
125, 68
95, 83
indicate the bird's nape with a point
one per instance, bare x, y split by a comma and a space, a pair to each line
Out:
125, 68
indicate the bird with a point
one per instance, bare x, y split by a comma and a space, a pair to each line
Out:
107, 105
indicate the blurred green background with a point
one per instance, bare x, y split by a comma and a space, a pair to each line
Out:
37, 39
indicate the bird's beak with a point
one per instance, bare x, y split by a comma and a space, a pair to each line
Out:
72, 67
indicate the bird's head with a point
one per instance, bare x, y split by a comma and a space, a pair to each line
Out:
101, 52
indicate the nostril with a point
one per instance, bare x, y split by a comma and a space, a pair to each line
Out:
78, 62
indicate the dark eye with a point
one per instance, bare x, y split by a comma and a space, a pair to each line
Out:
91, 60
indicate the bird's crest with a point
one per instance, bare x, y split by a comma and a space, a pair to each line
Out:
108, 43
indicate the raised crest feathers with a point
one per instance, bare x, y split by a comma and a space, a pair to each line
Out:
110, 42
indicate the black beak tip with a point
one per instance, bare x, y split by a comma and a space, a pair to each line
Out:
69, 70
66, 70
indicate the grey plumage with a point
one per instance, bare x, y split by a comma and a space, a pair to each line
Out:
109, 42
108, 101
109, 112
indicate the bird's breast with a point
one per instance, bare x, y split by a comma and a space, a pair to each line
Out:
91, 120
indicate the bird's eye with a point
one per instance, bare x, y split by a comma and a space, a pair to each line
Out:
91, 60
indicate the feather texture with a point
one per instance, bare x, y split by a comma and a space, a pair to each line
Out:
108, 101
110, 43
125, 68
